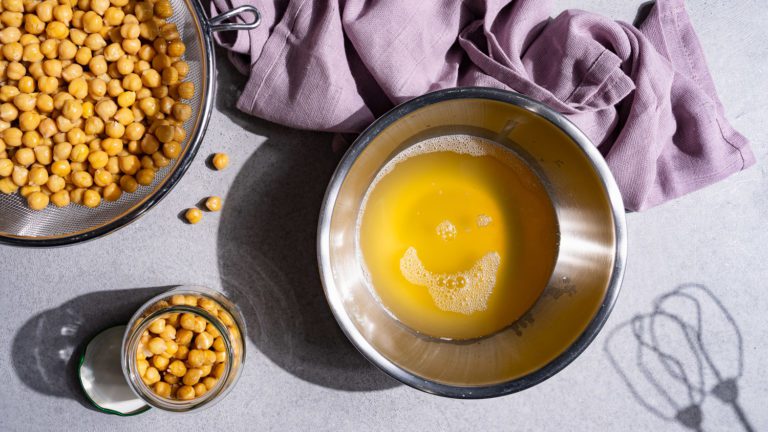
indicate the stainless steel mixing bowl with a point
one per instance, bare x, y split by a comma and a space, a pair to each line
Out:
580, 293
75, 223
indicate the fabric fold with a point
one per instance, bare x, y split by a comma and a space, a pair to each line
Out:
642, 94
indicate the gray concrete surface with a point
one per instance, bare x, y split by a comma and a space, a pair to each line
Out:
301, 374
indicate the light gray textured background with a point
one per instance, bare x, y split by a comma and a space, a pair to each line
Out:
300, 373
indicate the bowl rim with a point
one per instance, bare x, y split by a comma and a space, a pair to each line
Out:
195, 141
553, 366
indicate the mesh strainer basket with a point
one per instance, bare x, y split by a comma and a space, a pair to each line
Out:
54, 226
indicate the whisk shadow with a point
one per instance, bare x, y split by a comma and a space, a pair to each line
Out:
661, 365
46, 348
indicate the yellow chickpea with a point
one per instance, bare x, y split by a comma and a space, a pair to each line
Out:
38, 176
156, 346
61, 168
128, 183
73, 109
29, 121
47, 85
60, 198
151, 375
192, 376
168, 333
7, 186
102, 177
181, 112
94, 126
24, 156
37, 200
13, 52
145, 177
162, 389
186, 90
55, 183
43, 154
50, 48
31, 139
6, 166
134, 131
95, 42
125, 116
25, 102
98, 159
150, 78
91, 198
26, 191
98, 65
126, 98
106, 109
71, 72
83, 55
185, 393
171, 149
82, 179
193, 215
203, 341
213, 203
177, 368
114, 88
8, 112
220, 161
79, 153
170, 76
26, 84
114, 129
12, 136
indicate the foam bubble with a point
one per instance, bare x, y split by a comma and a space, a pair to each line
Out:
483, 220
446, 230
463, 292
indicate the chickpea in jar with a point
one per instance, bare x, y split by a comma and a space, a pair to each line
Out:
82, 85
182, 356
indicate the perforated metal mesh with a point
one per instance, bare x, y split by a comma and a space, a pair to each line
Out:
17, 220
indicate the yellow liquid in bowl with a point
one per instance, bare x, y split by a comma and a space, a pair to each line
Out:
458, 237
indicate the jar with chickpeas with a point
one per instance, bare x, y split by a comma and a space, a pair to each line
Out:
184, 349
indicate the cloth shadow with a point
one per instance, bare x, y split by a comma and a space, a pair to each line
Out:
47, 347
687, 349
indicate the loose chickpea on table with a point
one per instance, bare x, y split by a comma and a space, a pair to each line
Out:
91, 98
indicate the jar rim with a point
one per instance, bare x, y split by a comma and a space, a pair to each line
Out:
134, 331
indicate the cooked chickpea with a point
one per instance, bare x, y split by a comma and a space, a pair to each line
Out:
128, 183
186, 90
43, 154
193, 215
38, 176
220, 161
91, 198
169, 333
203, 341
160, 362
162, 389
37, 200
156, 345
151, 375
60, 198
24, 156
185, 392
145, 177
98, 159
213, 203
61, 168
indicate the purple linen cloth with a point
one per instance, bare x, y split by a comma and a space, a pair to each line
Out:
642, 94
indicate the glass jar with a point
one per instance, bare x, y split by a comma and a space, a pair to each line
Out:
221, 317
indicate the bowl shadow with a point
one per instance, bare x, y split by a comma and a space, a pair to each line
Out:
268, 262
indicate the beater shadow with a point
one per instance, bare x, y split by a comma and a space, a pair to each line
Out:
267, 251
687, 349
47, 347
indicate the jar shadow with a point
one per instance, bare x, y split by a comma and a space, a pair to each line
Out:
47, 347
268, 261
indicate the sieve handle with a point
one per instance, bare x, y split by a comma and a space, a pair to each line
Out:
217, 24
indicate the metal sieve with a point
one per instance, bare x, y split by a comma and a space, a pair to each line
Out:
54, 226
